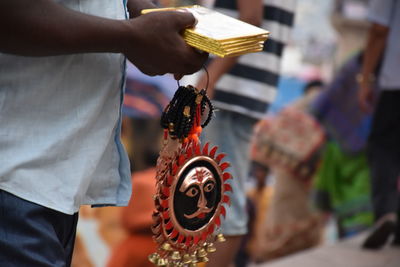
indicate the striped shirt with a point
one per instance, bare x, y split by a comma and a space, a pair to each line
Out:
250, 86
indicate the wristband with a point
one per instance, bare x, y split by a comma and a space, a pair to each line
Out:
362, 79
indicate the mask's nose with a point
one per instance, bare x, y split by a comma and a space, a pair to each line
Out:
202, 203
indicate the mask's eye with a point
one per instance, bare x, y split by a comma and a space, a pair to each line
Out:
209, 187
192, 192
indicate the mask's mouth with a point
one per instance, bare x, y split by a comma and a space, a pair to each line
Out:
200, 213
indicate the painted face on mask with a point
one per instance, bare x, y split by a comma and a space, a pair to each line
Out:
197, 195
191, 197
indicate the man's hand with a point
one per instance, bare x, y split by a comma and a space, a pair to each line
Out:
376, 43
365, 98
156, 46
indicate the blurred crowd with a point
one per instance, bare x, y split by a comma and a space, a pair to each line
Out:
325, 149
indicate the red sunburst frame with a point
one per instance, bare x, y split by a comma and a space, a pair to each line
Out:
166, 228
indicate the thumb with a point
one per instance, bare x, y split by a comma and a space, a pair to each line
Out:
184, 19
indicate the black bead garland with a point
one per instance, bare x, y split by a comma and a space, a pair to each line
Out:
178, 117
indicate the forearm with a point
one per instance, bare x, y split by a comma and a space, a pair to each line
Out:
216, 69
44, 28
250, 11
152, 42
373, 51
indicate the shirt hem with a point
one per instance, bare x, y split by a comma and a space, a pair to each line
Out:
53, 206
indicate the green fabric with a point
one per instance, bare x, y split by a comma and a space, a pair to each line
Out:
345, 179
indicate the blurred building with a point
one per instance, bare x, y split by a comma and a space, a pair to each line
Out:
349, 20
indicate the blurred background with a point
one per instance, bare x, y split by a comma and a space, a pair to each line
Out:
326, 35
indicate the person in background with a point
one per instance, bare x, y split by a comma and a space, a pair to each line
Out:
288, 146
342, 184
342, 189
241, 89
62, 67
384, 142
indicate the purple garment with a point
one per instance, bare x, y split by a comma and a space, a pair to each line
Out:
337, 108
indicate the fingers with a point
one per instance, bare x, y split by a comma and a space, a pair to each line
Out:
183, 20
163, 49
192, 67
187, 59
190, 59
186, 62
194, 62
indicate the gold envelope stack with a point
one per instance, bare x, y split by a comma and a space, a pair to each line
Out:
219, 34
